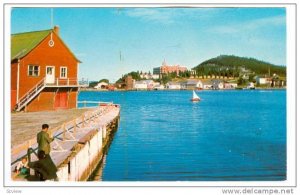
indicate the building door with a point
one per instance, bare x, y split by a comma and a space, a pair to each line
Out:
61, 100
50, 74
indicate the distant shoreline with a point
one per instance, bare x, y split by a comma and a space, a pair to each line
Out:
237, 89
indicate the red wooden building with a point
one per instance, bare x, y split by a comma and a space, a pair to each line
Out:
44, 72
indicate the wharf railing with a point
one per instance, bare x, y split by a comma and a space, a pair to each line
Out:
89, 104
61, 131
61, 82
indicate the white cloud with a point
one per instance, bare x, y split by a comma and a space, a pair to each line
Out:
173, 15
153, 15
170, 15
250, 25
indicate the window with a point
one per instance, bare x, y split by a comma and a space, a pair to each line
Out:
49, 70
33, 70
63, 72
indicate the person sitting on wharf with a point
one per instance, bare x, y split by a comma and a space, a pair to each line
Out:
44, 140
44, 168
22, 167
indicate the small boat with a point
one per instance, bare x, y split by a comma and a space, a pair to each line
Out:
195, 97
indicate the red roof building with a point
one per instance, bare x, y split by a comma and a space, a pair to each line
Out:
165, 69
44, 72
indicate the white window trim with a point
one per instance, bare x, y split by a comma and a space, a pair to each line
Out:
61, 72
33, 70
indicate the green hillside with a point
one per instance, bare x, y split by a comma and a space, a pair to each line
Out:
230, 65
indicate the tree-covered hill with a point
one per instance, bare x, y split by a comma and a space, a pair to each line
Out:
230, 65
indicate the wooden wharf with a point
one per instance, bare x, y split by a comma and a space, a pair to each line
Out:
79, 144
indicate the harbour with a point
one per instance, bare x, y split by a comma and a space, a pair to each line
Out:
228, 136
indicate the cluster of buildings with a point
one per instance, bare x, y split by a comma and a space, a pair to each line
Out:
273, 81
149, 81
190, 84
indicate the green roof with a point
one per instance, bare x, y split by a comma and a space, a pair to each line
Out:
23, 43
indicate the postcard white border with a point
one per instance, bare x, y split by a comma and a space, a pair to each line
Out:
291, 95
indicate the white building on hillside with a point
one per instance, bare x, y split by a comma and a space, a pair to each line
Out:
140, 85
144, 84
194, 84
101, 85
173, 85
263, 80
207, 85
217, 84
158, 86
230, 85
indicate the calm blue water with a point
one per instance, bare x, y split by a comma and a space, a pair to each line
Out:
229, 135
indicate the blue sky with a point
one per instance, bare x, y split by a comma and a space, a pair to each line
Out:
146, 36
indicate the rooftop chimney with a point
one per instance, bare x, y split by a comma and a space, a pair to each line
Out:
56, 30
